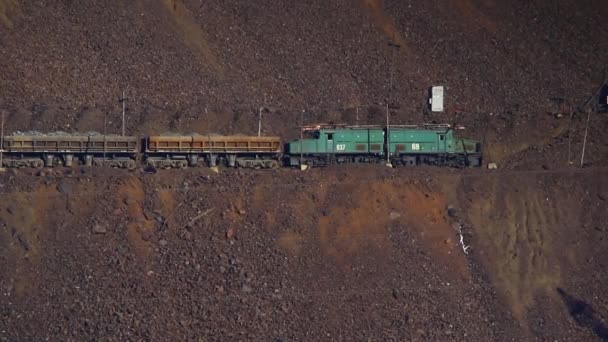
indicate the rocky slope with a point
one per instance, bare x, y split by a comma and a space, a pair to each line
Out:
316, 256
210, 65
329, 254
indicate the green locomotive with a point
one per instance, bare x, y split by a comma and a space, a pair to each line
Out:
428, 144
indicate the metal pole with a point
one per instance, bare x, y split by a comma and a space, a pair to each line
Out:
301, 137
260, 121
393, 46
388, 129
388, 138
123, 100
585, 138
104, 138
2, 143
570, 136
123, 113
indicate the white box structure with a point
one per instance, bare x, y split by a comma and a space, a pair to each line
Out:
436, 100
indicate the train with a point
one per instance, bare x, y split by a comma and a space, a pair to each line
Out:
318, 145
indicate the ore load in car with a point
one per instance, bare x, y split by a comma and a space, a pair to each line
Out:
180, 151
32, 149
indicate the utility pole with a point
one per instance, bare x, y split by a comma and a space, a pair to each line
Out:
570, 135
123, 99
301, 137
393, 46
388, 138
585, 138
2, 144
260, 121
105, 118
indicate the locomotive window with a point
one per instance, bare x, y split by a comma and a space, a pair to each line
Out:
442, 137
330, 136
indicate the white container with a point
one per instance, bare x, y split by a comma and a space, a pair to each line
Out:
436, 100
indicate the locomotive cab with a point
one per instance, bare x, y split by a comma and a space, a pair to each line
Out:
329, 143
312, 142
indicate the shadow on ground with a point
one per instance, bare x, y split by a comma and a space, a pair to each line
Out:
584, 314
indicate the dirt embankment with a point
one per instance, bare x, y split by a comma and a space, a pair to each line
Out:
543, 240
359, 253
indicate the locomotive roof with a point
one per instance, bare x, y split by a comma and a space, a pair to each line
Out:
317, 127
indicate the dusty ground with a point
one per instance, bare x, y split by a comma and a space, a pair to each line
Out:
209, 66
333, 254
330, 254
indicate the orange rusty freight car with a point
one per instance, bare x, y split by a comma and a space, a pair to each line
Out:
38, 150
179, 151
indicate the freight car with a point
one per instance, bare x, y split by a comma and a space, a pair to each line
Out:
406, 145
242, 151
38, 150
